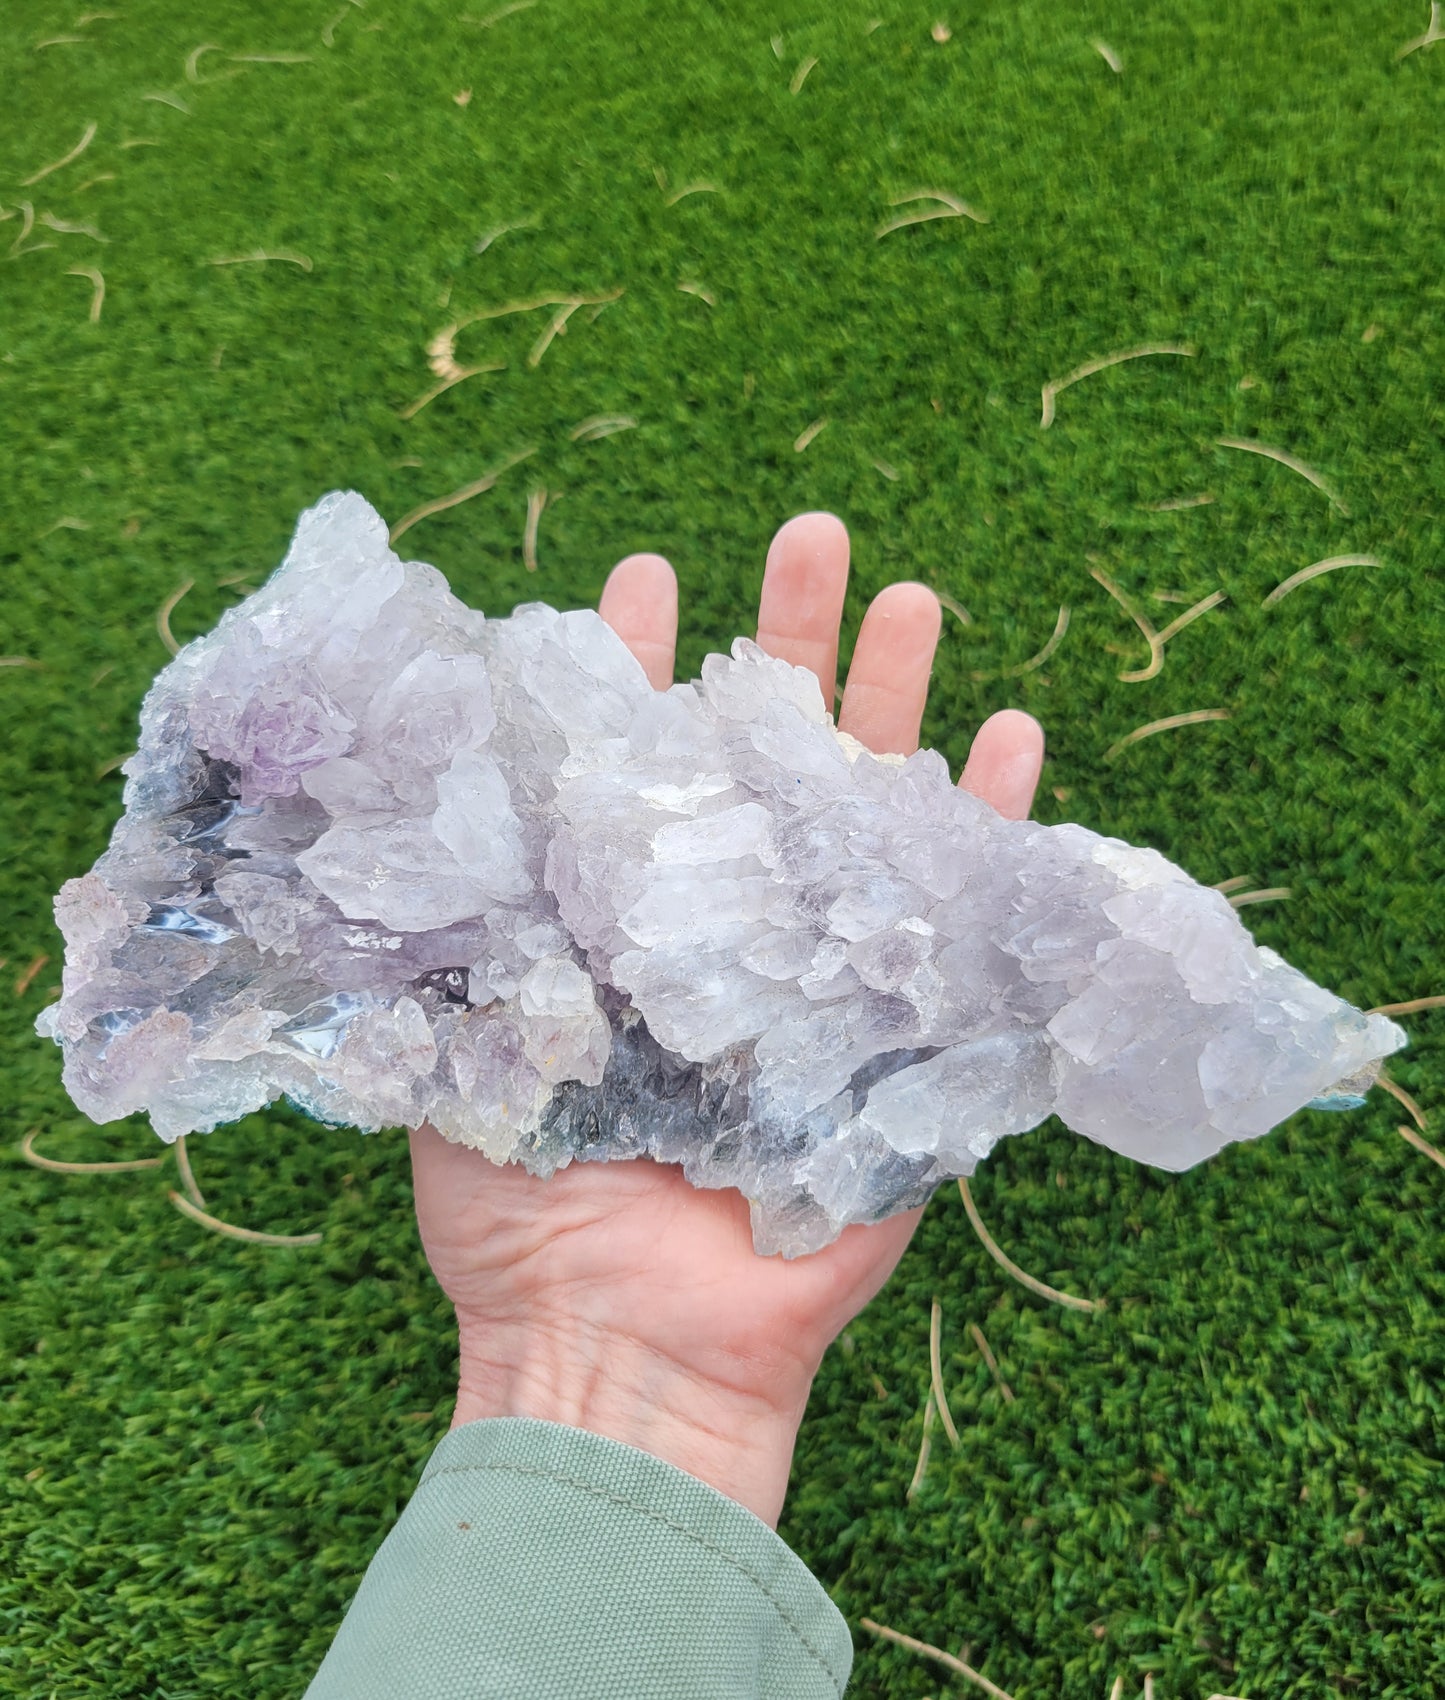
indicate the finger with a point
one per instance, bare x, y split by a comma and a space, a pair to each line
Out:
888, 680
639, 602
801, 606
1005, 762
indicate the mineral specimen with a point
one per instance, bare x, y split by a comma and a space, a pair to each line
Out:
401, 863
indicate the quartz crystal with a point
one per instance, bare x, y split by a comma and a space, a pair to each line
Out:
401, 863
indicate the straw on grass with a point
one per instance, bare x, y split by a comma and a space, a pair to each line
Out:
51, 222
955, 607
488, 237
55, 1167
1401, 1096
935, 1365
461, 374
232, 1232
691, 189
259, 256
1108, 55
164, 612
97, 289
536, 502
1055, 386
700, 290
800, 76
1285, 458
1176, 503
188, 1178
1167, 724
920, 1469
937, 1654
163, 97
806, 436
501, 12
1411, 1007
1305, 574
1273, 894
1007, 1264
455, 498
992, 1362
1432, 34
601, 425
1423, 1146
86, 139
1061, 625
22, 985
945, 205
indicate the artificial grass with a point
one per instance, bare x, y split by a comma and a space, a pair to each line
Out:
1231, 1478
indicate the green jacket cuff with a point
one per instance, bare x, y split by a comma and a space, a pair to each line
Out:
539, 1562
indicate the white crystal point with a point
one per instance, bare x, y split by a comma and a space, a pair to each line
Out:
399, 863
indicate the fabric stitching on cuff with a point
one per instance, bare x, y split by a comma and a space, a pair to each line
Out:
656, 1517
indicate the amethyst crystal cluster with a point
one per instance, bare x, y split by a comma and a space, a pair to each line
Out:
399, 862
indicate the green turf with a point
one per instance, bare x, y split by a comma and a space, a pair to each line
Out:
1232, 1478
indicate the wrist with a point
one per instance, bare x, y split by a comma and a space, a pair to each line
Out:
737, 1440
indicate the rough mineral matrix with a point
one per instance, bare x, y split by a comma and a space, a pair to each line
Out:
399, 863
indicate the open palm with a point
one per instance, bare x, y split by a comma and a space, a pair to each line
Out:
617, 1296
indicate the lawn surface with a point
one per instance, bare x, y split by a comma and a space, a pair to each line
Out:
1231, 1478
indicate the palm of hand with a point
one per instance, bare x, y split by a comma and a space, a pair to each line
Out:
622, 1279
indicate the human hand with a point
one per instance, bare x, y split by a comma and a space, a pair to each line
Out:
617, 1297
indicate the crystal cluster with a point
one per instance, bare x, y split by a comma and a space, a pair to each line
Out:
401, 863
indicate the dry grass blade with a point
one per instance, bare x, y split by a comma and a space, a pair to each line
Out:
163, 97
1285, 458
1145, 625
556, 326
1061, 625
1117, 1691
501, 12
1411, 1007
1273, 894
1190, 615
602, 425
1433, 34
59, 41
936, 1653
1176, 503
97, 289
1007, 1264
488, 237
328, 33
905, 220
992, 1362
27, 224
944, 198
800, 76
57, 164
188, 1178
920, 1469
1305, 574
51, 222
55, 1167
440, 504
1236, 882
460, 376
18, 661
955, 607
1401, 1096
935, 1366
804, 437
441, 350
536, 501
232, 1232
889, 471
271, 58
1423, 1146
164, 612
261, 255
1167, 724
1104, 361
1108, 55
701, 291
193, 65
691, 189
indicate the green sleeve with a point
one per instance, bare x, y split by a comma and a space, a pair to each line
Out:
538, 1562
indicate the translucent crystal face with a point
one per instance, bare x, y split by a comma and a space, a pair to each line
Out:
401, 863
